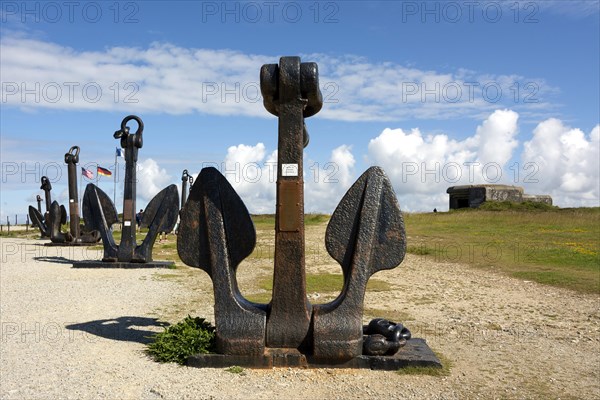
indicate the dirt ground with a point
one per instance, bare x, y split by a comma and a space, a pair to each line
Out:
75, 333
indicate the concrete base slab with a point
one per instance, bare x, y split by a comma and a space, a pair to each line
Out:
416, 353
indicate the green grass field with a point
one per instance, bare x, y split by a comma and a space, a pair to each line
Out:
559, 247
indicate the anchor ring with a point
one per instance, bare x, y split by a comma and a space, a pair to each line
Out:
45, 183
137, 119
72, 155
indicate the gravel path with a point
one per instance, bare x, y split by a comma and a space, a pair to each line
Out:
80, 334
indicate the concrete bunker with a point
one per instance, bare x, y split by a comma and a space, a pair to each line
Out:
475, 195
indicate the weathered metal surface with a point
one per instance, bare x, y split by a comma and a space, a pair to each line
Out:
37, 218
416, 353
365, 235
100, 213
383, 337
71, 159
291, 91
288, 207
58, 214
30, 222
131, 143
46, 187
160, 215
185, 178
57, 217
215, 234
39, 203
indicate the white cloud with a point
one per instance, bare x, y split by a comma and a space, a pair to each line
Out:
324, 185
151, 179
496, 137
252, 172
564, 163
421, 167
164, 78
558, 160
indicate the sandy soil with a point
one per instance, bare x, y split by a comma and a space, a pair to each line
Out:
68, 333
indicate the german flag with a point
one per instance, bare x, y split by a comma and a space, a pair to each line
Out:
104, 171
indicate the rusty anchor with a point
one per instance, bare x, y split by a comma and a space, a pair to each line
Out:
365, 235
77, 235
215, 234
38, 198
99, 211
36, 216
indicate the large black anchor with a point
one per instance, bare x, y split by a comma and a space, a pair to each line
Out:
100, 213
36, 216
38, 198
77, 234
365, 235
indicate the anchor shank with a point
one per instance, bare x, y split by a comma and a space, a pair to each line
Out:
128, 242
73, 199
184, 189
290, 313
47, 187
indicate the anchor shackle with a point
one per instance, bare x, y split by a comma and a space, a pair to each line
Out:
185, 176
310, 94
309, 87
46, 186
130, 139
72, 155
38, 198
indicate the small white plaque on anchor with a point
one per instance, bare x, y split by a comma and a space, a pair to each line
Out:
289, 169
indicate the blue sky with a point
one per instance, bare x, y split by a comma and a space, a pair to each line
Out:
437, 93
